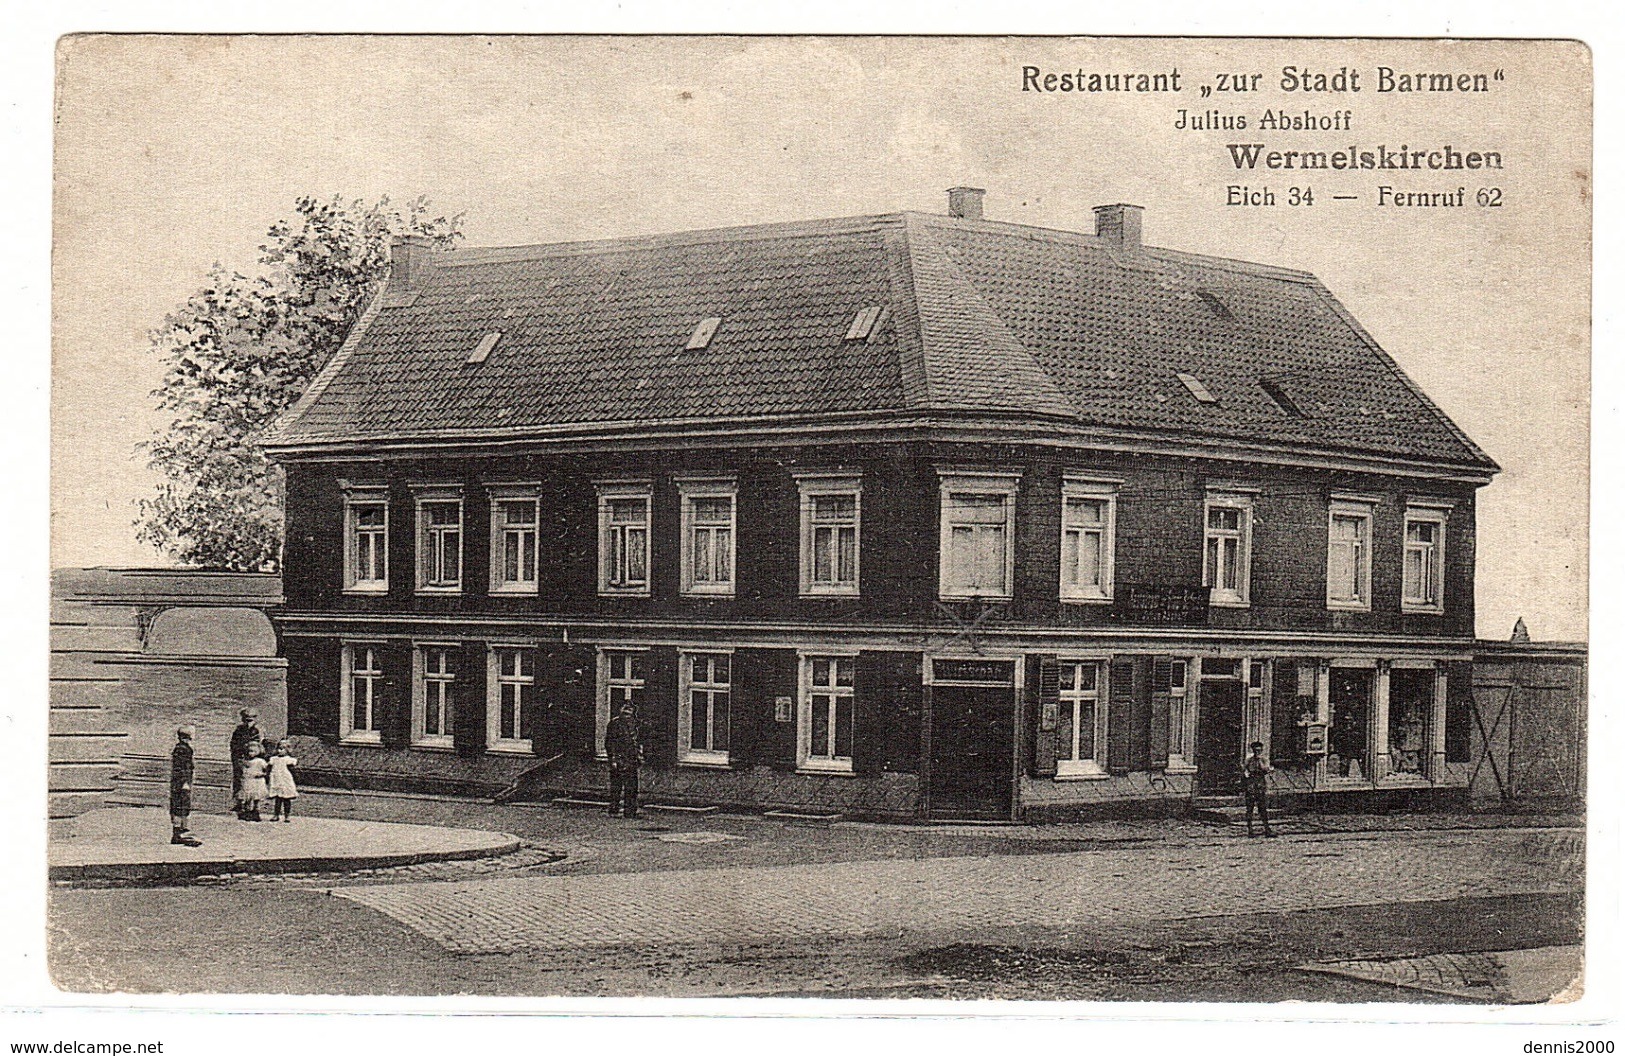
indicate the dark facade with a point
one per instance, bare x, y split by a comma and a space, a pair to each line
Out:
966, 610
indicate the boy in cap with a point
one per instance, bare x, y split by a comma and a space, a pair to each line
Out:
1254, 772
180, 788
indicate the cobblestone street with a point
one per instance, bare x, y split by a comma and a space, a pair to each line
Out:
967, 894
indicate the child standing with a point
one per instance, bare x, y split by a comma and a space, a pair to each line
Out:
280, 783
253, 790
180, 789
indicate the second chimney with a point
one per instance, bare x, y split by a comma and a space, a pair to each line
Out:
965, 202
1119, 224
408, 257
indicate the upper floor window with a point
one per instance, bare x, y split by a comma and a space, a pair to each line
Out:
1424, 558
1088, 534
510, 687
1227, 553
366, 539
1348, 555
623, 537
708, 536
977, 546
703, 707
440, 540
831, 506
514, 516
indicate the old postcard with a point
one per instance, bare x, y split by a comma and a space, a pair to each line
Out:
1021, 518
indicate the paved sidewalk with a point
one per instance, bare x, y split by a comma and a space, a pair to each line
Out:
1517, 977
990, 893
132, 843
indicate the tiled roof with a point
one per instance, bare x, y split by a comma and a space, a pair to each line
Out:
979, 317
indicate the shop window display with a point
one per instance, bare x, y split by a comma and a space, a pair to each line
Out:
1410, 707
1349, 737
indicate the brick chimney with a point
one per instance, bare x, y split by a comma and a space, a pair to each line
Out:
1119, 225
408, 258
965, 203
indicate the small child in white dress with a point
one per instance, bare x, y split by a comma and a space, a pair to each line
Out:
253, 790
281, 786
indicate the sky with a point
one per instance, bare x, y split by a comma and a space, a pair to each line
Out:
174, 153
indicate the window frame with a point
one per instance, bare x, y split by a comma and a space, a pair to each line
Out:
1001, 483
1072, 767
355, 496
1092, 489
500, 496
689, 491
610, 491
1362, 509
1438, 515
1241, 500
349, 733
423, 496
806, 761
421, 738
687, 754
495, 680
816, 485
607, 682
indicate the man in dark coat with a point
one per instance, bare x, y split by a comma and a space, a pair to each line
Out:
625, 753
180, 789
246, 733
1255, 785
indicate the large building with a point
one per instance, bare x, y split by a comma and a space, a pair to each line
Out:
904, 516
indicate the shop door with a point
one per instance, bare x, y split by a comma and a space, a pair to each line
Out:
1218, 738
972, 751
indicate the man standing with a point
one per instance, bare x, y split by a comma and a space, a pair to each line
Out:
625, 753
180, 789
246, 733
1255, 784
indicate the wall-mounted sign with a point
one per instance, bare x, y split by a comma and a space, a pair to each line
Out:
1161, 604
783, 709
1048, 718
1314, 738
984, 672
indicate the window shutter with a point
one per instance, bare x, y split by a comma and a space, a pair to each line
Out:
871, 702
468, 698
315, 686
1139, 743
776, 675
657, 711
902, 723
395, 706
1162, 700
1284, 730
746, 701
1120, 716
1458, 712
1043, 691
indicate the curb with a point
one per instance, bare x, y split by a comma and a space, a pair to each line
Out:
142, 871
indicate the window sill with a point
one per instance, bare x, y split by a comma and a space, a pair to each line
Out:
439, 590
1347, 606
830, 592
527, 591
705, 761
1086, 599
1179, 769
373, 592
1404, 781
696, 592
435, 745
1229, 603
975, 597
623, 592
826, 769
366, 739
510, 748
1090, 773
1422, 610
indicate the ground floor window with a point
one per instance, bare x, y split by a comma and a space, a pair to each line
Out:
510, 689
824, 720
1082, 720
703, 707
1348, 739
360, 717
434, 710
620, 681
1410, 720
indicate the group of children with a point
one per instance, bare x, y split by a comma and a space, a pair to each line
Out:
260, 779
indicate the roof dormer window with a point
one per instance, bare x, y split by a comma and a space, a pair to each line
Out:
1216, 306
703, 333
863, 324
